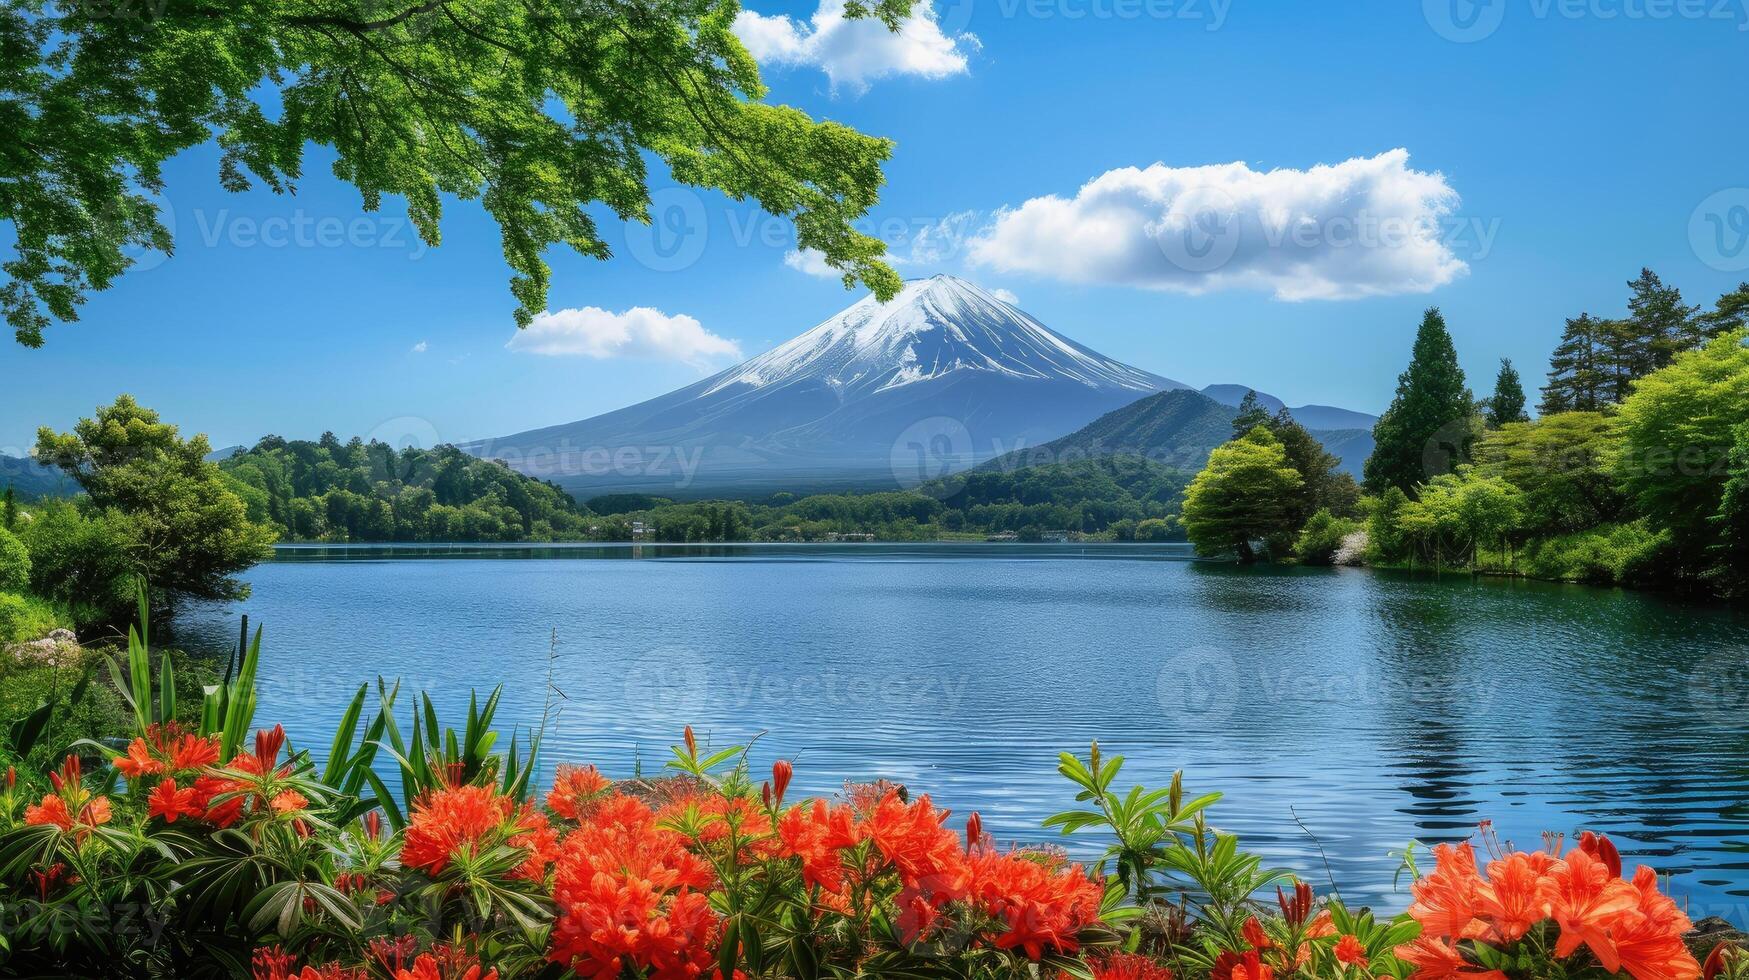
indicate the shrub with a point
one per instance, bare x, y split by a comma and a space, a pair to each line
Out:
79, 560
14, 563
1607, 555
1386, 543
24, 618
1321, 536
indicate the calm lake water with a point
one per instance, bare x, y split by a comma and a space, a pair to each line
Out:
1373, 708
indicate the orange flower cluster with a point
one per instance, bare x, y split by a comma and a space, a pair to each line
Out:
70, 806
1125, 966
629, 893
1626, 925
167, 750
463, 821
576, 790
1036, 901
1042, 902
441, 963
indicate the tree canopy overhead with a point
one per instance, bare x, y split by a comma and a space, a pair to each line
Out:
538, 109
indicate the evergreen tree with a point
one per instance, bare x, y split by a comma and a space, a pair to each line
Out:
9, 509
1507, 403
1251, 415
1429, 426
1730, 313
1659, 324
1324, 486
1578, 371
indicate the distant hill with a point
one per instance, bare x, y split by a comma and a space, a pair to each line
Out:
1314, 417
1176, 429
31, 480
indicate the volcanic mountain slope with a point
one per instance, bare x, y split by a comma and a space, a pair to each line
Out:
1175, 428
945, 370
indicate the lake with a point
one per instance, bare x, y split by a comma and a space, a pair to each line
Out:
1343, 712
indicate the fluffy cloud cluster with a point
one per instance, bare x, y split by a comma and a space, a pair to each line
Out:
1365, 227
638, 332
812, 262
854, 53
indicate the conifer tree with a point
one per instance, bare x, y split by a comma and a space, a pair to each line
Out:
1579, 376
1507, 403
1251, 415
1430, 424
1730, 313
1660, 324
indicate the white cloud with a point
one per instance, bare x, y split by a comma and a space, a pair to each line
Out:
1006, 296
854, 53
638, 332
811, 262
1368, 226
421, 347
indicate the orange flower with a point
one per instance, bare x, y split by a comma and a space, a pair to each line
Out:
1349, 951
1039, 906
816, 834
169, 802
1253, 932
1584, 899
289, 801
52, 810
138, 762
1125, 966
1447, 903
575, 790
1241, 966
1437, 959
1510, 898
1649, 938
446, 964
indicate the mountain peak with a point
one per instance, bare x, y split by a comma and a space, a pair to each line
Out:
932, 328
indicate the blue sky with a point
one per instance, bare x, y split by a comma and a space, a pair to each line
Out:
1580, 141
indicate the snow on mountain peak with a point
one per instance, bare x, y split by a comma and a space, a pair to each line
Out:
932, 328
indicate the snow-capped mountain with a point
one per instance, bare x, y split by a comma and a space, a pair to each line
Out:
943, 376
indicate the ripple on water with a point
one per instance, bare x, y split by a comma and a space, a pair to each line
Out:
1342, 713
